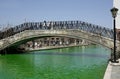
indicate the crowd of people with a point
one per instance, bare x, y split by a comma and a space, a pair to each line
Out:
56, 25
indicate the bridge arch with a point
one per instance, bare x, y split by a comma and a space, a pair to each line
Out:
72, 33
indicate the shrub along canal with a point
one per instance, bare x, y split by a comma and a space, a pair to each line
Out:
84, 62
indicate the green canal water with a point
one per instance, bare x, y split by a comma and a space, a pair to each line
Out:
85, 62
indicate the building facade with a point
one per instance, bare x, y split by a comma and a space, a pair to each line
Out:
116, 3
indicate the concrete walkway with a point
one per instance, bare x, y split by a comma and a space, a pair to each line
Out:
112, 71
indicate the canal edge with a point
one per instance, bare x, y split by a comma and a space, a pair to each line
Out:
108, 71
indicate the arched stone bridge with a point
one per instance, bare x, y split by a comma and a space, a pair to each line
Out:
28, 34
74, 29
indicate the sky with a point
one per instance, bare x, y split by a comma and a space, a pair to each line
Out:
15, 12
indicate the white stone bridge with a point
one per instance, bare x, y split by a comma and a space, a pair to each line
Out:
72, 29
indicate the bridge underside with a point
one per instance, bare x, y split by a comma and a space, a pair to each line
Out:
46, 42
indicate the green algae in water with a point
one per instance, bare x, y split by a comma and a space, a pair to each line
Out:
67, 63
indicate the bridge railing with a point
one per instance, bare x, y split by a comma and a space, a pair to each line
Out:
58, 25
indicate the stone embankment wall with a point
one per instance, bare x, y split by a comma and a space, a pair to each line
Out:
52, 42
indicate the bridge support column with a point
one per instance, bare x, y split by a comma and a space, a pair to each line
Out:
75, 41
33, 44
83, 41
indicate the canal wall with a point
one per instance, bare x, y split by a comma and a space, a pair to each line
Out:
113, 70
52, 47
108, 71
52, 42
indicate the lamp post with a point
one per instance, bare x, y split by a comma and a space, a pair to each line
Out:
114, 14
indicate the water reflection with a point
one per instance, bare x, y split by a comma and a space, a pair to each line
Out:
66, 63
